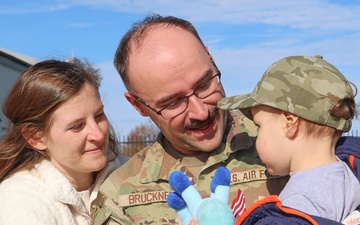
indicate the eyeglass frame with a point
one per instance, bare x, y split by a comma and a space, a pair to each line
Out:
158, 112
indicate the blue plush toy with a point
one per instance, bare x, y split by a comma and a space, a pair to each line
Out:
188, 203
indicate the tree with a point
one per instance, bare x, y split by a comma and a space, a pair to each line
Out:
141, 136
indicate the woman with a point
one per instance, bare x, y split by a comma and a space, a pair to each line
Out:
59, 147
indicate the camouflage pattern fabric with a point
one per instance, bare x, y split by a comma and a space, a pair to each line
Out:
303, 85
136, 192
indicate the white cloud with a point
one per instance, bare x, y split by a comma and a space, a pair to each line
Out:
307, 14
26, 7
79, 24
270, 30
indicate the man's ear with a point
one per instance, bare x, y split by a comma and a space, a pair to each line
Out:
135, 103
291, 124
35, 140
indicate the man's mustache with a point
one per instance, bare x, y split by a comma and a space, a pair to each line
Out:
197, 124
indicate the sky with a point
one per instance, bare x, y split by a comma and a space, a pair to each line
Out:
244, 36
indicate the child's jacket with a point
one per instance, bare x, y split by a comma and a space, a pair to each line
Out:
270, 210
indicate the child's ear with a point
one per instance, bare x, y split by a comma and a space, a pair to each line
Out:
35, 140
291, 124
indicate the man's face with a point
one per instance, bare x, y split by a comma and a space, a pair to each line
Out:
169, 65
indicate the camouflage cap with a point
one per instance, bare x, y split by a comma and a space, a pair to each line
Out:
302, 85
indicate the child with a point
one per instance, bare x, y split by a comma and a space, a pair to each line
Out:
302, 106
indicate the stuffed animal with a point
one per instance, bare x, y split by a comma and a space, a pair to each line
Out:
189, 205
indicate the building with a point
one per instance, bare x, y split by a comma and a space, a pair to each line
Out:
12, 64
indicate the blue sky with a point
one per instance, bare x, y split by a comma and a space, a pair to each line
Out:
244, 36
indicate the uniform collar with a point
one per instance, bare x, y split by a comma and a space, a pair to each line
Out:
159, 163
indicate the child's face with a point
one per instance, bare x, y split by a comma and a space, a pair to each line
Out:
271, 139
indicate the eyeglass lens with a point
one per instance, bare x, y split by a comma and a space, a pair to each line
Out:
201, 92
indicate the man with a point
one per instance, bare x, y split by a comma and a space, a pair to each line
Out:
172, 78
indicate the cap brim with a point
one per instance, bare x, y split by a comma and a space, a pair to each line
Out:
241, 102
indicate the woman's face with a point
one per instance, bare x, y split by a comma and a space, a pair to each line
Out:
78, 138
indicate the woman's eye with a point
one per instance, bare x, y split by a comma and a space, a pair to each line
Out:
100, 116
77, 127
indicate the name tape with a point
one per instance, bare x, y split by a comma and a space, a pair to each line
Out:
141, 198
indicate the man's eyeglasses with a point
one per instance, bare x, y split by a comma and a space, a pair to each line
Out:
179, 106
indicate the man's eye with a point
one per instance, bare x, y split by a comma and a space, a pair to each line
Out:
204, 85
174, 104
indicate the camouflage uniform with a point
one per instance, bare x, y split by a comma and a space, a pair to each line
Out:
136, 192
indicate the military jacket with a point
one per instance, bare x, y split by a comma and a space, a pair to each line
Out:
136, 192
